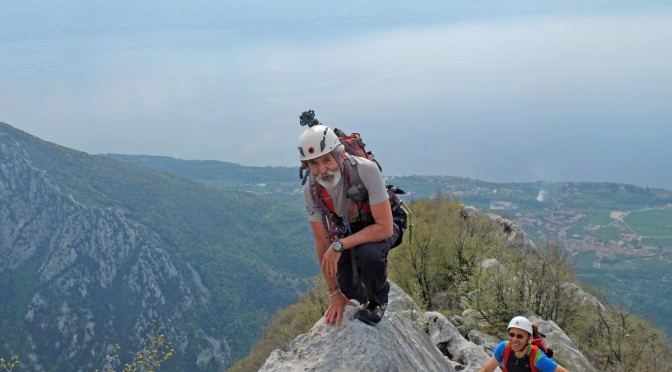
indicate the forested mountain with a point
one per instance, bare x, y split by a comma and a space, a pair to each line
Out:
96, 252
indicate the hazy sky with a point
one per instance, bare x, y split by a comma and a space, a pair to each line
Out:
495, 90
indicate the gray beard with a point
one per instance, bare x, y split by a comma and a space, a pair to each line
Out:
334, 181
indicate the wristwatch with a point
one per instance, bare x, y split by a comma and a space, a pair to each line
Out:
337, 246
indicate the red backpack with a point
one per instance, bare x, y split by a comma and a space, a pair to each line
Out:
354, 145
540, 342
533, 356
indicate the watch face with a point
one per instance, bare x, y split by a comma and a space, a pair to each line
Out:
337, 246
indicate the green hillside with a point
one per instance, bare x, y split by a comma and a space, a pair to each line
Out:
249, 249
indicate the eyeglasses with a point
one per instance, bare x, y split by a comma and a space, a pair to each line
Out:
518, 336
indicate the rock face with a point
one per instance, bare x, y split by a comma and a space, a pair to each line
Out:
89, 277
567, 350
395, 344
429, 343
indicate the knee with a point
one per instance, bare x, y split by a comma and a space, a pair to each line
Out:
371, 256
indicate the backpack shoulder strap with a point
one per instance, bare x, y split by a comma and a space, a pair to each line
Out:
355, 187
505, 358
533, 358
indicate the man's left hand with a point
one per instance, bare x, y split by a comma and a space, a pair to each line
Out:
337, 304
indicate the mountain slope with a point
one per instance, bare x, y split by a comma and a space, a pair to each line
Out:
95, 249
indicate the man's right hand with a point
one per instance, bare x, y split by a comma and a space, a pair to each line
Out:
336, 308
330, 262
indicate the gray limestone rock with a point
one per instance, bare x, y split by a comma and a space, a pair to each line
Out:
395, 344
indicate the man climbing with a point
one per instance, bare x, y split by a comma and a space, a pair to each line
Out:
517, 354
353, 234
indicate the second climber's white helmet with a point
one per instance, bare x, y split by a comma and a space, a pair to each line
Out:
521, 322
317, 141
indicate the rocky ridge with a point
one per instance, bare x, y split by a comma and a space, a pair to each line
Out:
408, 339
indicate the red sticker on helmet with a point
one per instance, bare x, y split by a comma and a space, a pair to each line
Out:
311, 150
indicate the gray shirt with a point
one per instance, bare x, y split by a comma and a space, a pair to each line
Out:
371, 178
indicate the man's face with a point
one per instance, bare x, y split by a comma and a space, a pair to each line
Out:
325, 169
518, 338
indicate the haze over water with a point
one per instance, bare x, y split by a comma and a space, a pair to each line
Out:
499, 91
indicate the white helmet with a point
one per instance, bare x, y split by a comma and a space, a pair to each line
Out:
317, 141
521, 322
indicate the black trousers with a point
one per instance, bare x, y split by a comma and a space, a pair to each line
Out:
369, 281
